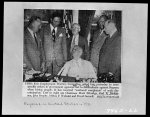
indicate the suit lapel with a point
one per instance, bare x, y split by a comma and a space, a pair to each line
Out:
113, 37
38, 40
29, 36
47, 33
110, 40
69, 43
80, 41
58, 32
49, 29
97, 35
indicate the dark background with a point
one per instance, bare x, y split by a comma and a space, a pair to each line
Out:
86, 18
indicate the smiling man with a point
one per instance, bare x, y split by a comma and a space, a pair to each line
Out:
54, 41
33, 50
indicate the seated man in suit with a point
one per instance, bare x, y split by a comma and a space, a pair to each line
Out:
110, 54
77, 67
33, 57
76, 39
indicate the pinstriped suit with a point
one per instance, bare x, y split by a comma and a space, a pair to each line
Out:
98, 41
55, 52
33, 53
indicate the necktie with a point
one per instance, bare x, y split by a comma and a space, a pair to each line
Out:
72, 44
35, 39
104, 45
53, 34
107, 38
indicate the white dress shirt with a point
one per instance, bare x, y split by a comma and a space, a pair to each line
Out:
113, 32
101, 32
76, 39
78, 68
51, 27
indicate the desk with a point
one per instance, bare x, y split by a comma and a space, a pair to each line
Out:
52, 79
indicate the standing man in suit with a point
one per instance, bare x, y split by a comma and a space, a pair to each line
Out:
98, 40
76, 39
110, 54
54, 40
33, 56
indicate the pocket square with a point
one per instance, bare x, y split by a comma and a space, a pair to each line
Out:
60, 35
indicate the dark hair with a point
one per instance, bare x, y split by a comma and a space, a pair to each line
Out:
104, 16
32, 19
56, 15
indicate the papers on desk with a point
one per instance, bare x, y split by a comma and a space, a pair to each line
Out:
29, 74
47, 74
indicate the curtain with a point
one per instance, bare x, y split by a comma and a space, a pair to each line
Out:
118, 20
85, 20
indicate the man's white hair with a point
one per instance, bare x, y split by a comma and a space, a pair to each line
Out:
75, 24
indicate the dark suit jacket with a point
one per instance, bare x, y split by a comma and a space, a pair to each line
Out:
110, 57
97, 43
33, 54
81, 43
54, 50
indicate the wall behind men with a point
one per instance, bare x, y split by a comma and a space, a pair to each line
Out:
44, 14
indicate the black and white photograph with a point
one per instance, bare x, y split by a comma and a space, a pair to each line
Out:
74, 58
72, 45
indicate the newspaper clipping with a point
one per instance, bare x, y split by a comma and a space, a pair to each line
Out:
74, 58
55, 66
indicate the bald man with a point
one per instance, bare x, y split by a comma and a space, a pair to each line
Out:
110, 54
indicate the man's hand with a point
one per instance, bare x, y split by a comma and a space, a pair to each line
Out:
48, 64
43, 67
94, 80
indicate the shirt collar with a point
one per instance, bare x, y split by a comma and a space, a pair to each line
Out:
79, 60
51, 26
31, 32
101, 31
113, 32
77, 36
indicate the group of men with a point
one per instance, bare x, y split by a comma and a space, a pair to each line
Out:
47, 49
